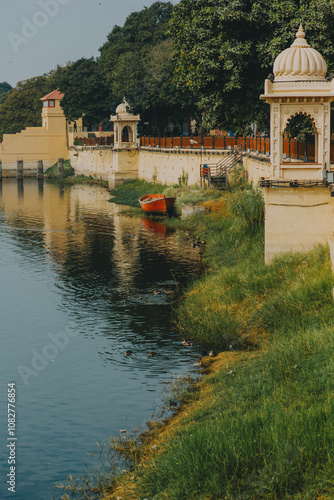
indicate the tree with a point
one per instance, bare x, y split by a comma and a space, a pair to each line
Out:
22, 107
224, 49
136, 62
4, 89
86, 91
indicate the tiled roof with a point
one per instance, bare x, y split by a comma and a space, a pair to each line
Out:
55, 94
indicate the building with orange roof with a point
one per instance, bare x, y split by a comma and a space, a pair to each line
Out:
47, 143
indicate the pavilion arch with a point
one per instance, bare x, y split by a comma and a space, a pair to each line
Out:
301, 112
312, 120
126, 134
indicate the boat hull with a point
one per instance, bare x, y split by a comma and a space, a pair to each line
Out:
156, 203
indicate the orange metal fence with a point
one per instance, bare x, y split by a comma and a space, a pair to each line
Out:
260, 144
94, 141
291, 147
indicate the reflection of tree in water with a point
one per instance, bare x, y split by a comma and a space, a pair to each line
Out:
28, 235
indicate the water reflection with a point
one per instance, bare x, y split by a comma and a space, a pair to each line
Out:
20, 188
40, 184
75, 269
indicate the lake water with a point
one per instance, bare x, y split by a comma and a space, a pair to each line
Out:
80, 285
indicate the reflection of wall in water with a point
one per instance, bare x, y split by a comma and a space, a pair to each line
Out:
297, 219
68, 220
126, 247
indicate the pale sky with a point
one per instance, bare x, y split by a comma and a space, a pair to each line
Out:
36, 35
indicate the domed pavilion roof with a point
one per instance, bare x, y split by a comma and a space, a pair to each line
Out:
299, 62
123, 107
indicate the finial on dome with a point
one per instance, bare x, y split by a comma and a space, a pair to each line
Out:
300, 38
300, 33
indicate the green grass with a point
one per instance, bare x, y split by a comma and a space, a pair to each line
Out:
52, 172
260, 426
70, 177
130, 191
265, 430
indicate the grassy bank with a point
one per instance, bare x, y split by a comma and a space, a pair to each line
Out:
69, 176
130, 191
259, 424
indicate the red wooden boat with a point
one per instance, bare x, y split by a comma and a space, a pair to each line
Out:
156, 203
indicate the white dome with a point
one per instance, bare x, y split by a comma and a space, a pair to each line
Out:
299, 62
123, 107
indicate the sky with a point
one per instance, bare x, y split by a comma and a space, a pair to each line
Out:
37, 35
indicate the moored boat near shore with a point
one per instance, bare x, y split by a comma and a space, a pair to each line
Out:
157, 203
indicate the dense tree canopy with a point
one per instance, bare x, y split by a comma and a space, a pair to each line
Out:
4, 89
136, 61
86, 91
200, 57
224, 49
22, 107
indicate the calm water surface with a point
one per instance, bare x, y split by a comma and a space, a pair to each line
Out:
80, 285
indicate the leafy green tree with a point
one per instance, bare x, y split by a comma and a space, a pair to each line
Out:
136, 61
300, 127
4, 89
224, 49
22, 105
86, 91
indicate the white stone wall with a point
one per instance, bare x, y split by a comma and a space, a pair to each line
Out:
97, 163
167, 166
257, 167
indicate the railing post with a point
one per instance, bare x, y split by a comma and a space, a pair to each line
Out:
171, 141
213, 142
224, 142
19, 166
165, 141
181, 141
